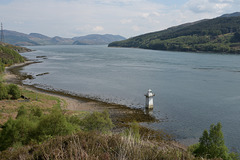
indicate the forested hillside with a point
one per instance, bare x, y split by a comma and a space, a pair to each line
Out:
220, 34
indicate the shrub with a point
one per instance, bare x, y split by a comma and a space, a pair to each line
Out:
97, 122
16, 132
32, 126
14, 91
53, 124
22, 111
37, 112
2, 68
3, 91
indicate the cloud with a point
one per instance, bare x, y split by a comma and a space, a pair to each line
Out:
129, 18
98, 29
211, 6
136, 28
126, 21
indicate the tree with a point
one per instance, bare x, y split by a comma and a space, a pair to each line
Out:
236, 37
211, 144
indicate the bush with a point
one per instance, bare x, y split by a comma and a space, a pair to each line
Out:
14, 91
37, 112
2, 68
97, 122
16, 132
32, 126
53, 124
3, 91
22, 111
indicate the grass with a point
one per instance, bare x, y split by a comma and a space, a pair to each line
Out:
9, 108
95, 146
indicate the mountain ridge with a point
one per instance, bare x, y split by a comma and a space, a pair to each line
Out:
32, 39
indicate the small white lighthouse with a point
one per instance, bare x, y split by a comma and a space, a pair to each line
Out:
149, 99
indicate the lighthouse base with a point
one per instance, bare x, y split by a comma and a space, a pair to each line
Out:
149, 106
149, 102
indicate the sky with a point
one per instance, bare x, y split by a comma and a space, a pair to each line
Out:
128, 18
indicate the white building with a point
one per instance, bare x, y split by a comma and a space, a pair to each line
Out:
149, 99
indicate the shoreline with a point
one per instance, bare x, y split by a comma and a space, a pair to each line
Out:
121, 115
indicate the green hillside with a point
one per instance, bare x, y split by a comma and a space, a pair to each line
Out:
9, 55
220, 34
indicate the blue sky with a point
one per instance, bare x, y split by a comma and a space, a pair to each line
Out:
69, 18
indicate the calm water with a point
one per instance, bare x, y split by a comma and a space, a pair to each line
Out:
193, 90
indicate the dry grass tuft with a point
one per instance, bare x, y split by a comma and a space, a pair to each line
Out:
95, 146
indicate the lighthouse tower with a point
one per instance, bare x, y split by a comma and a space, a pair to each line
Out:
149, 99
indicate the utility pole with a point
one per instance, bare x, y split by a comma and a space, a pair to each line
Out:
2, 35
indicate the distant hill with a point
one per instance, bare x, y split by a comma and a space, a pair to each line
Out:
97, 39
221, 34
32, 39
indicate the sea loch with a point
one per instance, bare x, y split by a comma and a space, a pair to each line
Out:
192, 90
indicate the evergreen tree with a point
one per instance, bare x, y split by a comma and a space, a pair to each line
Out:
211, 144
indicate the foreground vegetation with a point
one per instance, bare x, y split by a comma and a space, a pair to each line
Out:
93, 146
40, 132
54, 134
220, 34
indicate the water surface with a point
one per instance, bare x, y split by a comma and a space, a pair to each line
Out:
193, 90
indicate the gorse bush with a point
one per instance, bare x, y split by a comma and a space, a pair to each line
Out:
32, 126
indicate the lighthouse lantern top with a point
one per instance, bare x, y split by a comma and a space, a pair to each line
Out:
149, 93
